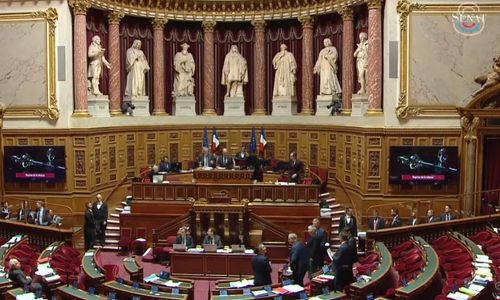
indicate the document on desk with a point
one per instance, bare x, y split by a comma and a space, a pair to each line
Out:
259, 293
293, 288
458, 296
28, 296
171, 283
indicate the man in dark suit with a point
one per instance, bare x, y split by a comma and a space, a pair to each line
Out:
342, 264
299, 259
261, 267
41, 217
100, 210
351, 241
89, 227
164, 165
430, 217
295, 168
242, 154
349, 220
212, 238
315, 251
225, 160
448, 214
396, 220
376, 222
413, 219
323, 237
17, 276
24, 213
206, 160
183, 238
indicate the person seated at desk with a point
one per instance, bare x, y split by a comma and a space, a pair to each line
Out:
413, 219
396, 220
54, 219
261, 267
184, 239
240, 239
41, 217
6, 210
295, 168
243, 154
225, 160
448, 214
164, 165
17, 276
212, 238
24, 214
206, 160
376, 222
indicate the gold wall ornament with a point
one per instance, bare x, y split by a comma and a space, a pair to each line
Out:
404, 8
403, 110
114, 17
259, 25
306, 21
28, 108
159, 23
208, 26
375, 4
469, 126
347, 13
80, 7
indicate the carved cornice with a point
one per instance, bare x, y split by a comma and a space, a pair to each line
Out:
469, 126
375, 4
404, 8
208, 26
224, 10
306, 21
159, 23
259, 25
403, 110
80, 7
347, 13
115, 17
50, 15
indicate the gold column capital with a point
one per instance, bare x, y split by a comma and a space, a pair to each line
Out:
114, 17
159, 23
347, 13
208, 26
306, 21
375, 4
79, 7
259, 25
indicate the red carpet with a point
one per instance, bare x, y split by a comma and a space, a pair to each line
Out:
202, 288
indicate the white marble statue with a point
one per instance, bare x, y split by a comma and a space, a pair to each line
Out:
361, 55
97, 59
326, 67
184, 67
136, 66
284, 79
234, 73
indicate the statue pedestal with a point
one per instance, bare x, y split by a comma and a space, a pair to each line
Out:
284, 105
98, 105
184, 106
141, 104
322, 103
234, 106
359, 105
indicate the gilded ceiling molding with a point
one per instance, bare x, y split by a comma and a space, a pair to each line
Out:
403, 110
80, 7
115, 17
226, 11
404, 8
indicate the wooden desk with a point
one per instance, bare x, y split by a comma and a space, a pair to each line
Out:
134, 268
223, 176
39, 236
376, 285
124, 291
190, 264
69, 292
269, 192
91, 269
12, 294
47, 252
418, 287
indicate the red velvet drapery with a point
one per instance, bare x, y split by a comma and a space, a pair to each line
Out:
491, 175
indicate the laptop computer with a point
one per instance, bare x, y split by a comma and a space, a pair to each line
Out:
157, 178
238, 248
179, 247
209, 248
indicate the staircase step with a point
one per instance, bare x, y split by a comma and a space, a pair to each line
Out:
124, 203
118, 209
324, 195
112, 234
335, 219
110, 247
330, 200
334, 205
112, 221
113, 228
111, 241
114, 215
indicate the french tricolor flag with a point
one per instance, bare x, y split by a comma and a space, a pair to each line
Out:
215, 141
262, 141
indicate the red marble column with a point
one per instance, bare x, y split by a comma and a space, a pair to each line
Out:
208, 68
259, 67
114, 60
347, 59
159, 67
374, 56
307, 65
80, 8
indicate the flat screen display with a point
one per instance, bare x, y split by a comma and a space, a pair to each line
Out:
34, 163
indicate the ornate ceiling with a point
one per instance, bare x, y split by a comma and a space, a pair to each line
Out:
223, 10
